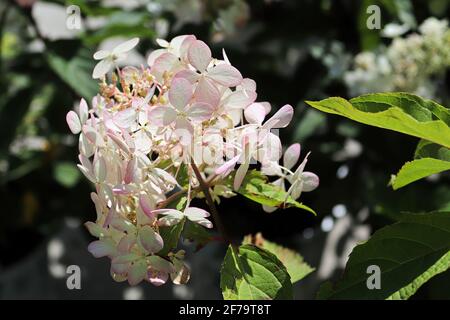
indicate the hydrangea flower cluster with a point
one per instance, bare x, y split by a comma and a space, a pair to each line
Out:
409, 64
186, 126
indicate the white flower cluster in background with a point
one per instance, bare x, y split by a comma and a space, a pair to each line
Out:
414, 63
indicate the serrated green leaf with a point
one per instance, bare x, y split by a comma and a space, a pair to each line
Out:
440, 266
294, 262
256, 187
408, 253
418, 169
252, 273
401, 112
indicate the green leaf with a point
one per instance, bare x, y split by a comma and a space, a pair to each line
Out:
418, 169
256, 187
252, 273
427, 149
440, 266
408, 253
294, 263
76, 71
66, 173
401, 112
122, 24
430, 158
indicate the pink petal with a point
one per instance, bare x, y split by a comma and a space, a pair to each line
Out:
180, 93
207, 92
146, 206
227, 166
118, 141
184, 130
122, 224
281, 118
199, 55
266, 106
198, 215
100, 169
193, 211
225, 75
165, 62
150, 240
240, 175
130, 171
157, 278
248, 84
240, 99
74, 122
310, 181
101, 248
93, 136
171, 217
200, 111
161, 116
271, 148
94, 229
168, 211
137, 272
126, 243
120, 268
255, 113
125, 118
155, 54
180, 44
291, 155
83, 111
187, 74
160, 264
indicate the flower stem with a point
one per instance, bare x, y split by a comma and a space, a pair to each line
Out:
215, 214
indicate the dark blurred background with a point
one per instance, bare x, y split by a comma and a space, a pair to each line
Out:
295, 50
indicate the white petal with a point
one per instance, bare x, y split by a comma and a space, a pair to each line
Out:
137, 273
162, 43
102, 68
200, 111
281, 118
291, 156
125, 46
83, 111
199, 55
150, 240
73, 122
255, 113
101, 54
240, 175
125, 118
225, 75
180, 93
310, 181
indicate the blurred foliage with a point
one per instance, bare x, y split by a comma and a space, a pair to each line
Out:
45, 70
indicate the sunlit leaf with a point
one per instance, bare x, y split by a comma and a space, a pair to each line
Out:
252, 273
294, 263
